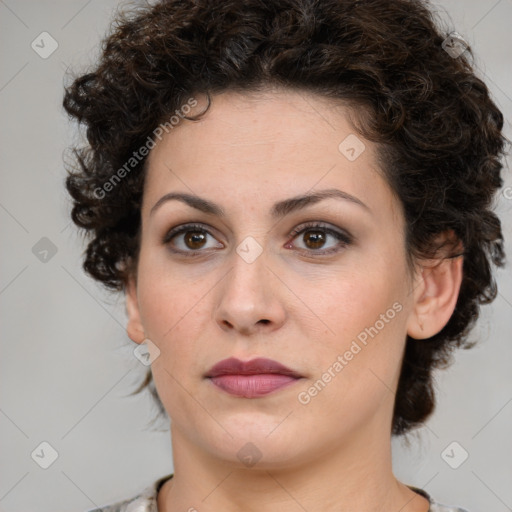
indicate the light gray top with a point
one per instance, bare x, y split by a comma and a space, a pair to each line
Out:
145, 501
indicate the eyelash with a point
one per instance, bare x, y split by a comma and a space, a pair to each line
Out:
344, 238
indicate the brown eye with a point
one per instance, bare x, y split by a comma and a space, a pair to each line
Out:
190, 240
314, 239
318, 239
194, 239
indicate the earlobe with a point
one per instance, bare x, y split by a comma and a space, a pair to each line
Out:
134, 327
435, 297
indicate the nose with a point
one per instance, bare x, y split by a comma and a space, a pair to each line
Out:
249, 298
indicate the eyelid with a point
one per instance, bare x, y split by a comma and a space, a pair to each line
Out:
183, 228
188, 226
326, 226
344, 237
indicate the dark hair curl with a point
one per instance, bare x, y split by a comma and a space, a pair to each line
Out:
438, 130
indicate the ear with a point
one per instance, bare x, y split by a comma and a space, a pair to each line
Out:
134, 327
436, 291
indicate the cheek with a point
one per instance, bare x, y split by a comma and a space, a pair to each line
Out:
356, 369
174, 319
348, 302
172, 310
365, 312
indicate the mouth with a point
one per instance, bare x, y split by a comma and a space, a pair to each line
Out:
251, 379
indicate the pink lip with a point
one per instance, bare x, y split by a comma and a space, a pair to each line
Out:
251, 379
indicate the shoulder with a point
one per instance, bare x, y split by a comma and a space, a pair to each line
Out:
438, 507
120, 506
144, 501
435, 506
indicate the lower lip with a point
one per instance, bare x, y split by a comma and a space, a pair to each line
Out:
252, 386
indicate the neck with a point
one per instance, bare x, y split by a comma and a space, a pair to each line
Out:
355, 475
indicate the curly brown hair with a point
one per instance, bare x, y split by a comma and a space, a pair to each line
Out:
438, 130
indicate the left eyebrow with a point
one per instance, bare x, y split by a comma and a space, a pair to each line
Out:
279, 209
287, 206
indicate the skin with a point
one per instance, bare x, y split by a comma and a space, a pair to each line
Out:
290, 304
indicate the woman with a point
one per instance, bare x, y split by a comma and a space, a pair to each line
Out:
294, 197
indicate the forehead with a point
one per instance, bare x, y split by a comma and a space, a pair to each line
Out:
271, 144
258, 121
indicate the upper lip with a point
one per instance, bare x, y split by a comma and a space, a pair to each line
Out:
260, 365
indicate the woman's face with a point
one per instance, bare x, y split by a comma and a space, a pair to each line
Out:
320, 286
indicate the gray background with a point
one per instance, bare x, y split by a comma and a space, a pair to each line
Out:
67, 366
